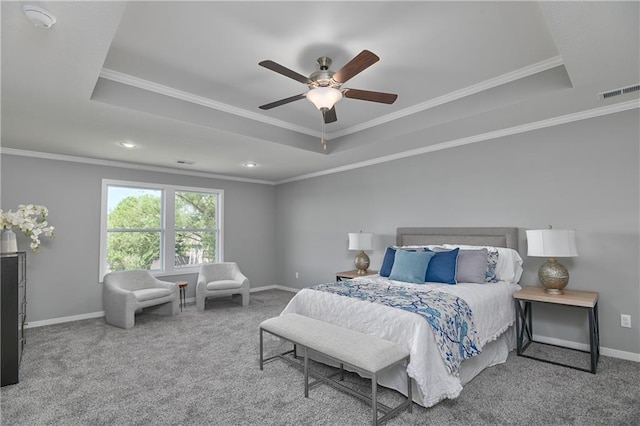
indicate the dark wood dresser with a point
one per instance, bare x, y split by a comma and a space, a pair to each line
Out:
13, 300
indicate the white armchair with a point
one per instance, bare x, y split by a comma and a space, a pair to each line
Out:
221, 279
125, 292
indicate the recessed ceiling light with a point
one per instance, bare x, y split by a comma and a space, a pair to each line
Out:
127, 144
250, 164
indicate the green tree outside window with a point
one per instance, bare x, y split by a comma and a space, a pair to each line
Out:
135, 233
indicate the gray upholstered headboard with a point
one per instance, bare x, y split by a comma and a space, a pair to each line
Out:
496, 237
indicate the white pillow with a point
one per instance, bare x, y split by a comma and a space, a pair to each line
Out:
509, 267
430, 247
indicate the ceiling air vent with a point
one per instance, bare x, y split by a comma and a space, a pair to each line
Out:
186, 162
631, 89
618, 92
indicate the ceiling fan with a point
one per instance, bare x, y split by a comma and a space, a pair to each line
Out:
325, 86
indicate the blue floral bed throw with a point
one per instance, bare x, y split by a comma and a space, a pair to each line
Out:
449, 316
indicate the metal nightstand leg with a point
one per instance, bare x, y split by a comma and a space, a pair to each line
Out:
524, 324
594, 337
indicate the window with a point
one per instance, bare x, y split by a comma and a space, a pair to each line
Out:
161, 228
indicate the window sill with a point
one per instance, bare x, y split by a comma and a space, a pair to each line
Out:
175, 272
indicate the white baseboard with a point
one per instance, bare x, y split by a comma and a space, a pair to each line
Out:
274, 287
613, 353
100, 314
42, 323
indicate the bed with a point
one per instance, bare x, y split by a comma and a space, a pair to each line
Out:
444, 357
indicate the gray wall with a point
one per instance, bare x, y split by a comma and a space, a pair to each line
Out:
583, 176
63, 277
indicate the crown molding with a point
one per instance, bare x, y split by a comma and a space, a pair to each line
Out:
453, 96
550, 122
143, 84
542, 124
150, 86
125, 165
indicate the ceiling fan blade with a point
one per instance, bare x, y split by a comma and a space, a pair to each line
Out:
365, 95
283, 101
355, 66
273, 66
330, 115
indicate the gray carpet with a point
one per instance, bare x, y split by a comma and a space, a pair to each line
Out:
202, 368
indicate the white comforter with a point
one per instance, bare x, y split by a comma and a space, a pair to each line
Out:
493, 312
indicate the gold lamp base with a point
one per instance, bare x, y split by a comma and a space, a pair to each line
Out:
553, 276
362, 263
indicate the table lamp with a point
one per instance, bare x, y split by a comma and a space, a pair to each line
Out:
361, 241
552, 243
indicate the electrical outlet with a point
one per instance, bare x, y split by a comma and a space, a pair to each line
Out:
625, 321
297, 276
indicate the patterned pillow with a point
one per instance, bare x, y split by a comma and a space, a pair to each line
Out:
492, 263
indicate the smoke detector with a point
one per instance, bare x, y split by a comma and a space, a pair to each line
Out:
38, 16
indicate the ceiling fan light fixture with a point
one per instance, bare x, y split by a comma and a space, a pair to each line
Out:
324, 97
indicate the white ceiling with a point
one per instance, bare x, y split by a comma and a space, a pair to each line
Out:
182, 81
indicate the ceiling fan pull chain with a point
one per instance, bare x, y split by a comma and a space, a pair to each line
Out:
323, 140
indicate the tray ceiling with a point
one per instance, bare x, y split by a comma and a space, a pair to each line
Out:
181, 79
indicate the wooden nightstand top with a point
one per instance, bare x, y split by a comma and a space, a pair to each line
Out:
354, 274
587, 299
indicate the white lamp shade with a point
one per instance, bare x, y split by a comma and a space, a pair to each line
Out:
360, 241
324, 97
552, 243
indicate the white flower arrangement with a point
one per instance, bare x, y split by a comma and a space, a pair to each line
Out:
31, 219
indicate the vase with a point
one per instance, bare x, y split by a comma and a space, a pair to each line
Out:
9, 243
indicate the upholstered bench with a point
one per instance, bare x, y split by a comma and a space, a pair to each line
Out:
364, 352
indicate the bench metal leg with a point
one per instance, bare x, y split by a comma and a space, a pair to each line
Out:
409, 390
264, 360
261, 350
374, 398
306, 372
330, 380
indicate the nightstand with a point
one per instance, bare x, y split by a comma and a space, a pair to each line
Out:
347, 275
581, 299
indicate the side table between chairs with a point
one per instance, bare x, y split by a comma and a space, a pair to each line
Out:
182, 286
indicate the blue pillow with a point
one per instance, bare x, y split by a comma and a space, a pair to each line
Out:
387, 262
410, 266
442, 268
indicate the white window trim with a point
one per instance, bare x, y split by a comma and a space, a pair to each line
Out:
168, 206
